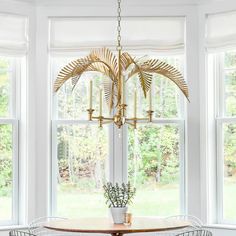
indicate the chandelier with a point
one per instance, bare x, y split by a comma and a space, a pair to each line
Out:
117, 70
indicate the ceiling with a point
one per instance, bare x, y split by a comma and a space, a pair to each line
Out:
111, 2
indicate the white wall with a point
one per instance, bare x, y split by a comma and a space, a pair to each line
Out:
37, 197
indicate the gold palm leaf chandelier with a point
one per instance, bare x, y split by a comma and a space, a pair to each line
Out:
117, 70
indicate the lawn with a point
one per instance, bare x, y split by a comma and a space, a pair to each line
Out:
163, 201
5, 208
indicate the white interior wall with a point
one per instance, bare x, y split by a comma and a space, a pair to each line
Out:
37, 187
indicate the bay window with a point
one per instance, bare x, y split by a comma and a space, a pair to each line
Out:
222, 68
84, 157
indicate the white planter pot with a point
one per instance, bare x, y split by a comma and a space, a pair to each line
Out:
118, 214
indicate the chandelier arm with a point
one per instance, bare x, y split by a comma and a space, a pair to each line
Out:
137, 119
70, 72
129, 123
145, 79
155, 66
177, 80
98, 70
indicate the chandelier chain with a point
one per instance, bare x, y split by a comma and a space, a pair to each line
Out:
119, 47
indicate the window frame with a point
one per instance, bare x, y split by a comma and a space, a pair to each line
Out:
13, 119
220, 120
118, 147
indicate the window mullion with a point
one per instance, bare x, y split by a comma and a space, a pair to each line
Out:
183, 168
220, 170
53, 197
15, 158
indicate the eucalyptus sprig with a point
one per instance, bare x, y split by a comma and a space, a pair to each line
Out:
118, 195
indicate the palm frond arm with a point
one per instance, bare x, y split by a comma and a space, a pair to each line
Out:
75, 69
163, 68
145, 77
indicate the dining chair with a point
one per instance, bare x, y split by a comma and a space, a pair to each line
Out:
36, 226
195, 224
197, 232
20, 233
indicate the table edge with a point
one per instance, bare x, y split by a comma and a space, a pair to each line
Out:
125, 231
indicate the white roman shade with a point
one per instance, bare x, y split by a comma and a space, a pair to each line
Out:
13, 33
221, 30
163, 33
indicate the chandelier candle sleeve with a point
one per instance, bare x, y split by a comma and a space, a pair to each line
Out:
100, 107
150, 99
90, 94
135, 103
123, 91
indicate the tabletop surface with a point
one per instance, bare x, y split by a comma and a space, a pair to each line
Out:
105, 225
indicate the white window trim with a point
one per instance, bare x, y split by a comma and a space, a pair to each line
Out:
43, 101
220, 120
15, 102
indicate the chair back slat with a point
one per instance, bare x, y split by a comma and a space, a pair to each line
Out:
20, 233
195, 222
36, 226
199, 232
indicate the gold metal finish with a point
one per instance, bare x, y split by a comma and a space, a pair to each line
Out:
150, 113
114, 68
90, 114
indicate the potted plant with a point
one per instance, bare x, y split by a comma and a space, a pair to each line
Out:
117, 198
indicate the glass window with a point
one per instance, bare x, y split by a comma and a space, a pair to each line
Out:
154, 169
154, 156
225, 97
229, 153
8, 140
81, 149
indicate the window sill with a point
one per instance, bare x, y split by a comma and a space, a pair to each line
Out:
10, 227
221, 226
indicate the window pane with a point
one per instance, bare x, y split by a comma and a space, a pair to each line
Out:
82, 157
5, 87
5, 172
230, 60
229, 131
230, 93
154, 168
166, 93
73, 103
229, 81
